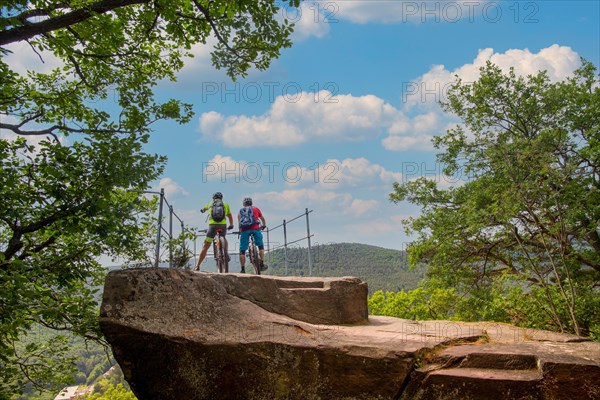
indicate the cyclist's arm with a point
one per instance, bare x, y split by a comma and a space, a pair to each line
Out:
262, 219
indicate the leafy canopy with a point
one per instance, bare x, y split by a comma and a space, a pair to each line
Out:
71, 148
519, 240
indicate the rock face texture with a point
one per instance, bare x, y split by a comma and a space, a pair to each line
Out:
184, 335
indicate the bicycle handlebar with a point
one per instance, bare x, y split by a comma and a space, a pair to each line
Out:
262, 228
218, 230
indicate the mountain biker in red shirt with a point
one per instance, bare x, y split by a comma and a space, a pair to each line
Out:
254, 229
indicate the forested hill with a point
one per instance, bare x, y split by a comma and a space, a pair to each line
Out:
383, 269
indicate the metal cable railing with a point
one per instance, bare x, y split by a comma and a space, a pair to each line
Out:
168, 232
286, 243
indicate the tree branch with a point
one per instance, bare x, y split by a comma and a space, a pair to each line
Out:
29, 30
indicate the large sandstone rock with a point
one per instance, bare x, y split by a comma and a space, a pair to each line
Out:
182, 335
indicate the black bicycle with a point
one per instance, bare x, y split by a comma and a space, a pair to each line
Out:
253, 254
219, 252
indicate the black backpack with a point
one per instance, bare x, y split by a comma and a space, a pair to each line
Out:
218, 210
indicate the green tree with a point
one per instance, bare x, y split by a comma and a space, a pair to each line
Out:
118, 392
66, 197
519, 240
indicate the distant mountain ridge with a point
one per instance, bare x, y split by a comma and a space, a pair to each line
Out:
383, 269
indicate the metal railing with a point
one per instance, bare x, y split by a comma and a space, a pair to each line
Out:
269, 240
161, 229
286, 243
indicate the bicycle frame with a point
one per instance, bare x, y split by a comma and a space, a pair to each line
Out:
219, 252
253, 255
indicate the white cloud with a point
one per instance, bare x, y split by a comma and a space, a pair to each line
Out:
172, 189
431, 87
408, 142
23, 59
361, 207
298, 199
332, 174
302, 117
424, 93
348, 173
220, 168
226, 169
310, 19
325, 203
198, 73
414, 133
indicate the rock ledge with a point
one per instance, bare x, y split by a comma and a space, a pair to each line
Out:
183, 335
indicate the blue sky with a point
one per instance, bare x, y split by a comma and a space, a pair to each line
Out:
352, 107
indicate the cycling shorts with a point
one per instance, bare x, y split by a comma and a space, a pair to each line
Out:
212, 231
245, 239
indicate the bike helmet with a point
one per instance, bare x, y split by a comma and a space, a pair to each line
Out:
218, 195
247, 201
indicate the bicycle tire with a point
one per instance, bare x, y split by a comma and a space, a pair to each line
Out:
253, 255
223, 256
216, 255
217, 251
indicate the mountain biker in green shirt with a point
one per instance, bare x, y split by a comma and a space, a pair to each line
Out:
214, 225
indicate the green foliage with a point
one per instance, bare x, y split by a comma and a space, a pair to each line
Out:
67, 196
382, 269
118, 392
427, 301
519, 241
59, 213
80, 361
111, 386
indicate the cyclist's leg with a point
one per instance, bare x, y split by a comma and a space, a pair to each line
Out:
258, 240
244, 241
242, 262
205, 246
254, 257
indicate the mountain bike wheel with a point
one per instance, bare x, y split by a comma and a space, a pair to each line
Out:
217, 250
254, 259
224, 264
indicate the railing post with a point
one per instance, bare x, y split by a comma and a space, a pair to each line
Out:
285, 255
183, 249
170, 236
160, 211
268, 247
195, 243
309, 248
